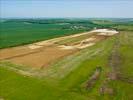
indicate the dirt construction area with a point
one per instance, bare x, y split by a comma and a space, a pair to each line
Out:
43, 53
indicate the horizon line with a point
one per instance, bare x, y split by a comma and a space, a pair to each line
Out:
59, 17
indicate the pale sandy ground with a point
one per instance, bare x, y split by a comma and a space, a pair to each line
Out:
105, 32
52, 41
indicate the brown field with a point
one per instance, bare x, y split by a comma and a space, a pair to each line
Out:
43, 53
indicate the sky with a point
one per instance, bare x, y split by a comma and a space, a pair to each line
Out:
66, 8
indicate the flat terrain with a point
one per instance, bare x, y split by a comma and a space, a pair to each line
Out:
88, 66
43, 53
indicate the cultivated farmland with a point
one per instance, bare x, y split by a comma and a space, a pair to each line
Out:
95, 64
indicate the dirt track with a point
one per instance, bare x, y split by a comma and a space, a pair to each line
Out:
43, 53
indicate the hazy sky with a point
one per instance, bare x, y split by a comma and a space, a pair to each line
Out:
66, 8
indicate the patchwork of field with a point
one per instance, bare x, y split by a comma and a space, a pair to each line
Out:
93, 65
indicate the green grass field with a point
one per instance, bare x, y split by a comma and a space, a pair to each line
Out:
14, 32
67, 79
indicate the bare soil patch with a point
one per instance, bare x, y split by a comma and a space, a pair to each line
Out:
42, 58
43, 53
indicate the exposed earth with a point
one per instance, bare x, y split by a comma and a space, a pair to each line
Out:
43, 53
